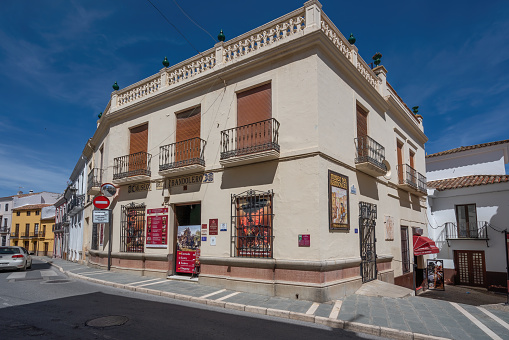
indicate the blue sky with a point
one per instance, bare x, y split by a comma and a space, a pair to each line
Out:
59, 59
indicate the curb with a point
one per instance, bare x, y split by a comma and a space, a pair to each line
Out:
333, 323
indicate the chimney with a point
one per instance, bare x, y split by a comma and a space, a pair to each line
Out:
31, 192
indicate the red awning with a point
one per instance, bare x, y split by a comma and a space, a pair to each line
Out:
424, 245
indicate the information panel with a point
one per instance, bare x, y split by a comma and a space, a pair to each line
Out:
157, 228
188, 243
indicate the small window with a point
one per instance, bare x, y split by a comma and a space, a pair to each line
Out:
405, 252
6, 207
18, 213
37, 212
28, 213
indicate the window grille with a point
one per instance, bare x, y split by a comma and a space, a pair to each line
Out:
95, 237
132, 231
252, 218
405, 251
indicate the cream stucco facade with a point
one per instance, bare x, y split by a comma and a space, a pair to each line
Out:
317, 82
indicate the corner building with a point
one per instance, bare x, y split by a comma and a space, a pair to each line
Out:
283, 158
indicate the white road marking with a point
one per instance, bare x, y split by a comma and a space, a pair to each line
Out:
227, 296
152, 283
478, 323
48, 272
207, 295
144, 281
20, 275
494, 317
313, 308
335, 310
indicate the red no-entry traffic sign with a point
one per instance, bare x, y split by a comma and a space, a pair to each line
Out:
101, 202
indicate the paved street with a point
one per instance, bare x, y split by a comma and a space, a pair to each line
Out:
412, 315
45, 303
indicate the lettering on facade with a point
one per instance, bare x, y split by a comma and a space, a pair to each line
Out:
339, 202
137, 187
192, 179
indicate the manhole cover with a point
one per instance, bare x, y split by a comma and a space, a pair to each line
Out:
57, 281
107, 321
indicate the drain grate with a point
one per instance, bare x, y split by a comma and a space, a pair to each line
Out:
108, 321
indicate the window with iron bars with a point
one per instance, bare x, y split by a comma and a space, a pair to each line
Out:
252, 217
132, 230
94, 245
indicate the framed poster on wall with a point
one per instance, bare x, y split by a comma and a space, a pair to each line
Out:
435, 274
339, 202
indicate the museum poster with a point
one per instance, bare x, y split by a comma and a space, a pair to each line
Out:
339, 209
188, 242
157, 228
435, 274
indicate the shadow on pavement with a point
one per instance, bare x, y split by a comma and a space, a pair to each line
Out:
468, 295
66, 318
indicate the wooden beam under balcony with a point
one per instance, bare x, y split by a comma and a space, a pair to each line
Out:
250, 143
370, 156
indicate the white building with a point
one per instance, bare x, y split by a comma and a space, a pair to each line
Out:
468, 199
279, 157
76, 196
5, 219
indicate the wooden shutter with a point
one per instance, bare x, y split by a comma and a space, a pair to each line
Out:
139, 139
254, 106
188, 133
412, 159
137, 144
400, 161
362, 132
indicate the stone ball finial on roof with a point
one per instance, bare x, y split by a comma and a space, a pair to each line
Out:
352, 39
221, 36
115, 86
166, 63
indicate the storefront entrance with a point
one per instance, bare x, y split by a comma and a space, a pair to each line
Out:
187, 237
470, 267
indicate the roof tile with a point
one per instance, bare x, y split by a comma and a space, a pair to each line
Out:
466, 181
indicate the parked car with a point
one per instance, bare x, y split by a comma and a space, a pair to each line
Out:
12, 257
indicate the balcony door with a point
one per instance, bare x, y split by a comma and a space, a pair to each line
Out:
188, 144
362, 133
400, 161
138, 149
466, 217
254, 111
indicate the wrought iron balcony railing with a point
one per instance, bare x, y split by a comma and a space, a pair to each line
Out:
25, 234
4, 229
135, 164
368, 150
94, 178
58, 227
15, 234
421, 183
184, 153
251, 138
467, 230
407, 175
76, 204
34, 234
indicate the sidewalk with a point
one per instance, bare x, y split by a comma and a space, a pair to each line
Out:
410, 317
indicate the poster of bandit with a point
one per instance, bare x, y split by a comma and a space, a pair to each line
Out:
435, 274
339, 202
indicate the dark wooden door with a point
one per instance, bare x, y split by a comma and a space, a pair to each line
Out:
470, 267
400, 162
362, 133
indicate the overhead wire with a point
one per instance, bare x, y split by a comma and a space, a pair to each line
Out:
194, 22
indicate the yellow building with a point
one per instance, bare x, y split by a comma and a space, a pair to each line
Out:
32, 228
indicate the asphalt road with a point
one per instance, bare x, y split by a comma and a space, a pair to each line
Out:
44, 304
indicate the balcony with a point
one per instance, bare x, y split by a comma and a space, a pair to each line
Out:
76, 204
58, 227
4, 230
94, 181
250, 143
34, 234
25, 234
15, 234
370, 156
182, 157
466, 231
132, 168
411, 180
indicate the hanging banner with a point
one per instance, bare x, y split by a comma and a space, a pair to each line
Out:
339, 217
188, 242
157, 228
435, 274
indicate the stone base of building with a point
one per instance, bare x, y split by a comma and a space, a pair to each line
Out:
153, 265
318, 281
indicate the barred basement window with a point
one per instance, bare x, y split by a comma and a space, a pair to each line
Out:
132, 230
252, 217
